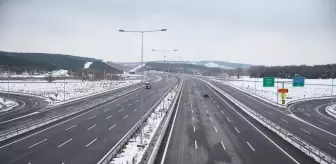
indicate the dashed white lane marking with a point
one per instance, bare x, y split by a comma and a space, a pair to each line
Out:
135, 109
332, 145
121, 110
207, 112
228, 119
125, 101
210, 119
106, 110
70, 127
112, 126
216, 129
223, 145
92, 117
118, 105
270, 112
91, 127
64, 143
323, 122
129, 104
108, 117
91, 142
307, 114
304, 131
284, 120
192, 111
37, 143
125, 117
205, 106
217, 106
222, 112
237, 130
194, 128
193, 119
195, 144
250, 146
136, 100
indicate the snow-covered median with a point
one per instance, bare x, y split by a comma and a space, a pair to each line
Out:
6, 104
72, 89
331, 110
132, 153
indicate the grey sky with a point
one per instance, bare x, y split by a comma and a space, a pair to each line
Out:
264, 32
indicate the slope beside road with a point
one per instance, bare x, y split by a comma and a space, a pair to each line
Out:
84, 138
212, 130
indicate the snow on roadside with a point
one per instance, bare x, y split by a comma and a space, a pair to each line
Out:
331, 110
132, 153
54, 91
312, 88
6, 104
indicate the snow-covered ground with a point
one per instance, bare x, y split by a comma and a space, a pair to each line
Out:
312, 88
6, 104
54, 91
132, 154
331, 110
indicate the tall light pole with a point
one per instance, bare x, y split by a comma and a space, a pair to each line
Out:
164, 55
141, 79
332, 88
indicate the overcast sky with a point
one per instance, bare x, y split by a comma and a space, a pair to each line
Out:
267, 32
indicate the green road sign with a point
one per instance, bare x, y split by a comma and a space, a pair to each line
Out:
298, 81
268, 82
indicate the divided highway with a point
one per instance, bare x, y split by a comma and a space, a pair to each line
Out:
213, 130
84, 138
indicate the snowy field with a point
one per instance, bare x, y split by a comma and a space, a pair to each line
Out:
6, 104
54, 91
312, 88
132, 154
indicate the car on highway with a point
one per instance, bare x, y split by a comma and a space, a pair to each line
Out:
147, 85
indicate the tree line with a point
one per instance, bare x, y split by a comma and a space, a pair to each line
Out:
309, 72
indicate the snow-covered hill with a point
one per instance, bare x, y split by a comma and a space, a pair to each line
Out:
214, 65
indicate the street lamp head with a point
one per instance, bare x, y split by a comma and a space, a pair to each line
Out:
163, 29
153, 49
121, 30
174, 50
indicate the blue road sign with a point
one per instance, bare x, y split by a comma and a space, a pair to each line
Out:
298, 81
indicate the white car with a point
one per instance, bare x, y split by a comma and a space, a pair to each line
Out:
147, 85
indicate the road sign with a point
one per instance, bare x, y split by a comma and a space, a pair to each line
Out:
268, 82
298, 81
282, 90
283, 96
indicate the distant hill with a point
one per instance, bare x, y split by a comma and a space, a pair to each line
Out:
211, 64
118, 66
42, 61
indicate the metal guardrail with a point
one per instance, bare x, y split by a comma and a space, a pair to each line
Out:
44, 121
296, 141
115, 150
159, 134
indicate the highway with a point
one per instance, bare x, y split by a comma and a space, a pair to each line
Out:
321, 138
212, 130
84, 138
27, 104
313, 111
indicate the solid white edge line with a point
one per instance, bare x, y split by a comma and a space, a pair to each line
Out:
70, 127
64, 143
257, 129
91, 142
37, 143
223, 145
250, 146
171, 129
317, 109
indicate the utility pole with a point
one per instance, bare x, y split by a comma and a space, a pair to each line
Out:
8, 83
64, 89
332, 88
255, 85
277, 95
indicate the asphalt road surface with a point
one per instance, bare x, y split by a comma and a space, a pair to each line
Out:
214, 131
85, 138
321, 138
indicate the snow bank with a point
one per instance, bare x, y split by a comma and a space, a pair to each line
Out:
312, 88
54, 91
331, 110
6, 104
132, 153
87, 64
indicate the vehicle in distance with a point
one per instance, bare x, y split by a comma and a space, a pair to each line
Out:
147, 85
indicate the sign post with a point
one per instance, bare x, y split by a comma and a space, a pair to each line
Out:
268, 82
298, 81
